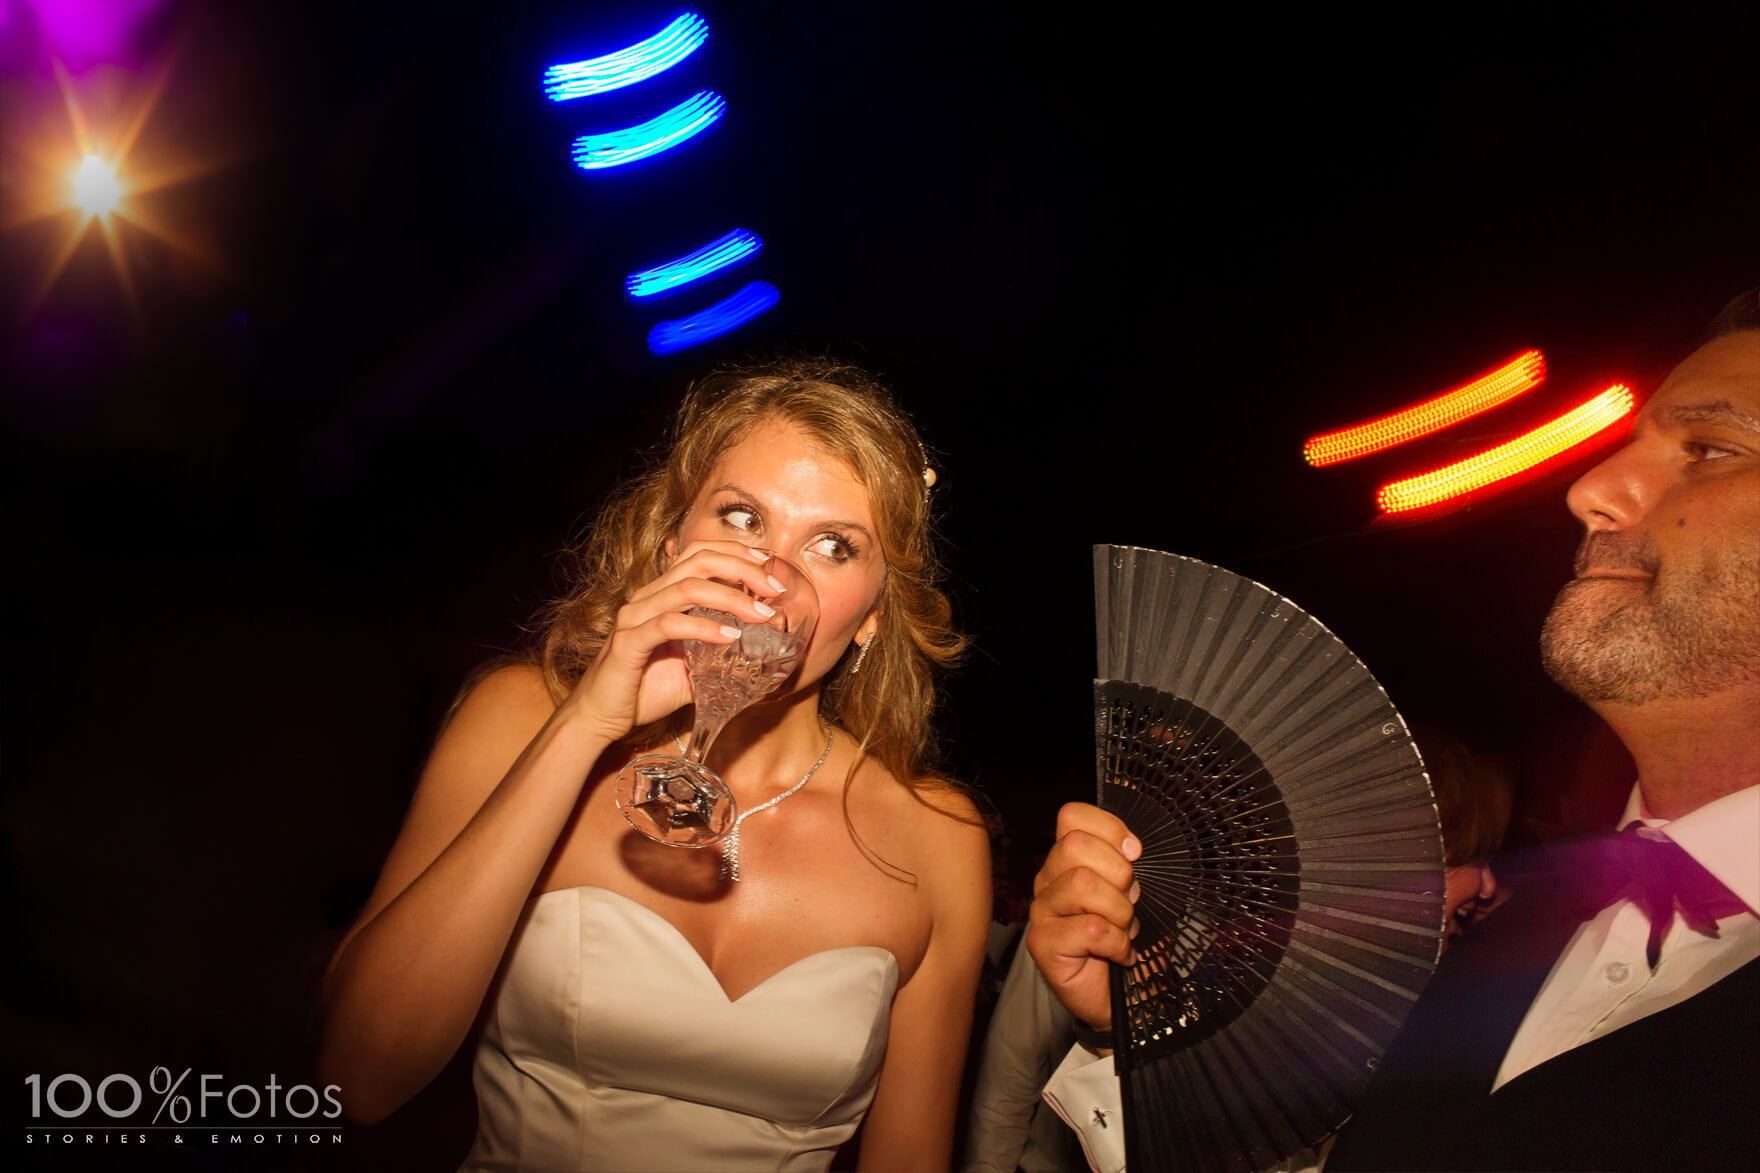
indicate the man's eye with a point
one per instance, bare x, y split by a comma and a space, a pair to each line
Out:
1703, 452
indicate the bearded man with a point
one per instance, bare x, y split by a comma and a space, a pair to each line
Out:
1608, 1017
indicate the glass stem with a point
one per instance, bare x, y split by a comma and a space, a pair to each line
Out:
703, 735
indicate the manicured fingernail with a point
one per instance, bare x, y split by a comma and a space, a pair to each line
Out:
1132, 847
1136, 926
763, 608
757, 554
1136, 890
774, 585
730, 632
1134, 958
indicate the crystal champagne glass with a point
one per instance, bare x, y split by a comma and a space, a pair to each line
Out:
676, 799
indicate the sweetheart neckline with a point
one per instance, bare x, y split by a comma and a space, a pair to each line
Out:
703, 965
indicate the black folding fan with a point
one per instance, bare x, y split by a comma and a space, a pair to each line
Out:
1292, 875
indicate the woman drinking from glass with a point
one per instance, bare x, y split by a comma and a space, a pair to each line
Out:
644, 1007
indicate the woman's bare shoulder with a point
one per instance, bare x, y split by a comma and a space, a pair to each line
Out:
951, 860
941, 802
488, 729
939, 818
514, 688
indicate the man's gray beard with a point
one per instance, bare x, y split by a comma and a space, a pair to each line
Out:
1676, 641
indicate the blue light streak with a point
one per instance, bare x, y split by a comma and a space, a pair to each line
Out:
614, 148
714, 321
626, 67
735, 248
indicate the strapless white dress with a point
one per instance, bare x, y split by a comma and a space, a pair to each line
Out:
611, 1046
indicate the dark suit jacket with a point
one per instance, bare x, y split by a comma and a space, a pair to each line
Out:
1677, 1090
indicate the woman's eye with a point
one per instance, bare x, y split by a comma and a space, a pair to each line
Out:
834, 548
742, 519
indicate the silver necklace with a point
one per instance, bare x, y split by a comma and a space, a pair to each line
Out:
730, 845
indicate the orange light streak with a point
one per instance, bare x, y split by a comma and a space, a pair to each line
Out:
1522, 373
1524, 452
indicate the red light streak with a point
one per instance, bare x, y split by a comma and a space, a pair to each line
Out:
1506, 460
1521, 373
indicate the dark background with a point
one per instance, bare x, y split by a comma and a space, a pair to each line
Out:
269, 501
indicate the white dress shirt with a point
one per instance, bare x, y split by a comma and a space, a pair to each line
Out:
1083, 1091
1600, 983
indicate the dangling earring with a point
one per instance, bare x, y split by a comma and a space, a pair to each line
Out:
861, 654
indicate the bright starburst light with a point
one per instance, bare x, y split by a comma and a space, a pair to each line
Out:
95, 188
90, 176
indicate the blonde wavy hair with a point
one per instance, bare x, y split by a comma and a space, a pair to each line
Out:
889, 704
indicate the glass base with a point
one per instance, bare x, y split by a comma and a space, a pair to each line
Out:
674, 801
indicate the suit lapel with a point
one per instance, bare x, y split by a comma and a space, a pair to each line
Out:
1439, 1070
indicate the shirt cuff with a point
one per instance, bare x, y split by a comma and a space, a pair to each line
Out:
1083, 1091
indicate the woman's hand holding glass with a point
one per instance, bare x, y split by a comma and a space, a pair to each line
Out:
678, 800
640, 674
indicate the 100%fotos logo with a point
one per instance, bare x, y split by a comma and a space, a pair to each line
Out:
119, 1097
